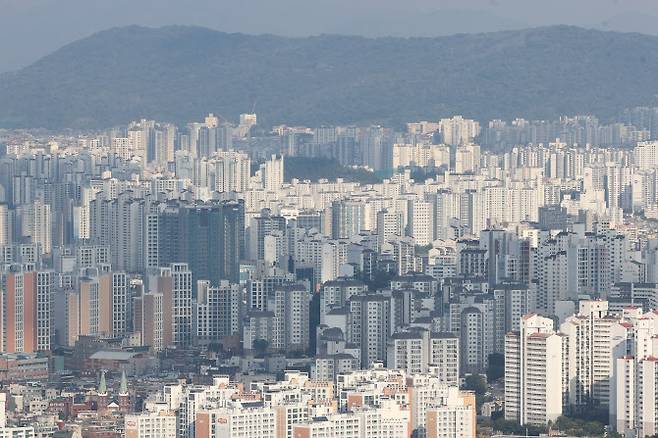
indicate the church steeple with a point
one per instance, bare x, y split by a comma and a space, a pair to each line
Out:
124, 397
101, 394
123, 389
102, 385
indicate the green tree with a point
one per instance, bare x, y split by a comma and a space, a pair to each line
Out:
579, 426
496, 368
475, 383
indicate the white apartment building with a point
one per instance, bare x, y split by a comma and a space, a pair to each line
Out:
589, 357
512, 301
336, 294
217, 311
467, 158
232, 171
458, 130
634, 412
36, 224
455, 420
420, 155
425, 392
271, 174
424, 352
138, 143
290, 306
175, 284
634, 391
421, 221
389, 226
534, 364
370, 326
327, 367
384, 422
472, 319
289, 414
6, 227
236, 422
114, 289
121, 147
156, 424
646, 155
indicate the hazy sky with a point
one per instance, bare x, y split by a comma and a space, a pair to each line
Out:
30, 29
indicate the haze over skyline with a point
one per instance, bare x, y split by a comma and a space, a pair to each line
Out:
30, 29
328, 218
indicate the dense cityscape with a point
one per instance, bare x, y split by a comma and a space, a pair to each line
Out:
219, 279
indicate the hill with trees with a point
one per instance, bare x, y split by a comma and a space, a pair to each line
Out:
180, 73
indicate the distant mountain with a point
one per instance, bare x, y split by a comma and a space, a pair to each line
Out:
179, 73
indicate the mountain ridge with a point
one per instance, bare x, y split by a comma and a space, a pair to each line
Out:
178, 73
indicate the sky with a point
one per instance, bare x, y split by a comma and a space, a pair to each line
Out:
30, 29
